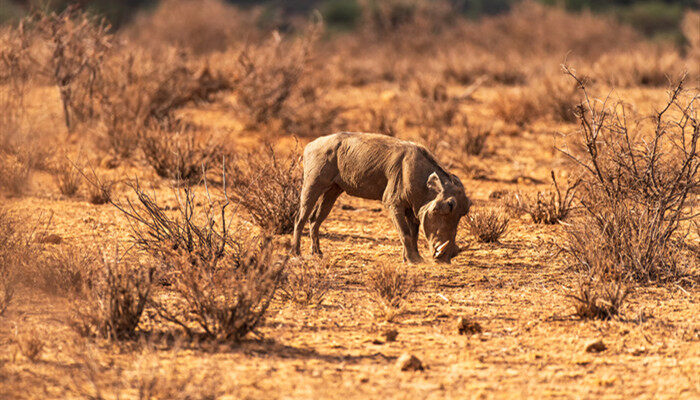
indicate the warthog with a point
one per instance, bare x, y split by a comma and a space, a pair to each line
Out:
413, 186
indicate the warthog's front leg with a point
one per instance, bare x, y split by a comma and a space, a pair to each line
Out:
408, 233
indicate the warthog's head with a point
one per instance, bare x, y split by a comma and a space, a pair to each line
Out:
440, 216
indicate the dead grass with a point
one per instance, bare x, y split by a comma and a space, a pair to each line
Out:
116, 292
30, 344
487, 225
18, 254
223, 301
267, 184
307, 281
179, 151
67, 178
391, 285
636, 195
547, 207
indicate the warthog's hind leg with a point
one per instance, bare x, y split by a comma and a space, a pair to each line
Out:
320, 213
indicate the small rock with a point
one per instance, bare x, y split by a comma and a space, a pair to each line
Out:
347, 207
409, 362
51, 238
596, 346
391, 335
465, 326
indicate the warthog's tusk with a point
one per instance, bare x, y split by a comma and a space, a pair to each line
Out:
439, 249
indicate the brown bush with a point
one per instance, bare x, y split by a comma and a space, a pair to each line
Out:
547, 207
18, 254
67, 178
271, 76
178, 151
268, 186
199, 26
15, 175
390, 284
139, 90
116, 293
487, 225
30, 344
596, 298
547, 96
201, 232
307, 281
643, 65
66, 271
636, 195
226, 299
77, 43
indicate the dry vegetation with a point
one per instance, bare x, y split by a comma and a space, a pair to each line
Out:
162, 163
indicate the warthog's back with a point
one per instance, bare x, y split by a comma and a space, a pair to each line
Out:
363, 162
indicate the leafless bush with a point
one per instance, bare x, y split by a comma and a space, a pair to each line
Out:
117, 293
637, 185
391, 284
547, 207
596, 298
199, 26
15, 174
66, 270
226, 300
139, 90
17, 255
99, 187
307, 281
30, 344
67, 178
487, 225
78, 43
642, 65
268, 186
176, 151
271, 77
202, 233
544, 97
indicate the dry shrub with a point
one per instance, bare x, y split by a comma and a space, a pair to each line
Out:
487, 225
547, 207
138, 90
15, 175
116, 293
99, 187
268, 186
177, 150
307, 281
391, 285
538, 30
644, 65
547, 96
18, 254
691, 30
226, 298
596, 298
201, 232
271, 76
637, 186
67, 178
219, 283
29, 343
199, 26
77, 43
66, 271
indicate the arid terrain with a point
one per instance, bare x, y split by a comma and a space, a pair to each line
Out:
506, 319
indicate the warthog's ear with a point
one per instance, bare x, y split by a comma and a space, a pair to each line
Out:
434, 183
